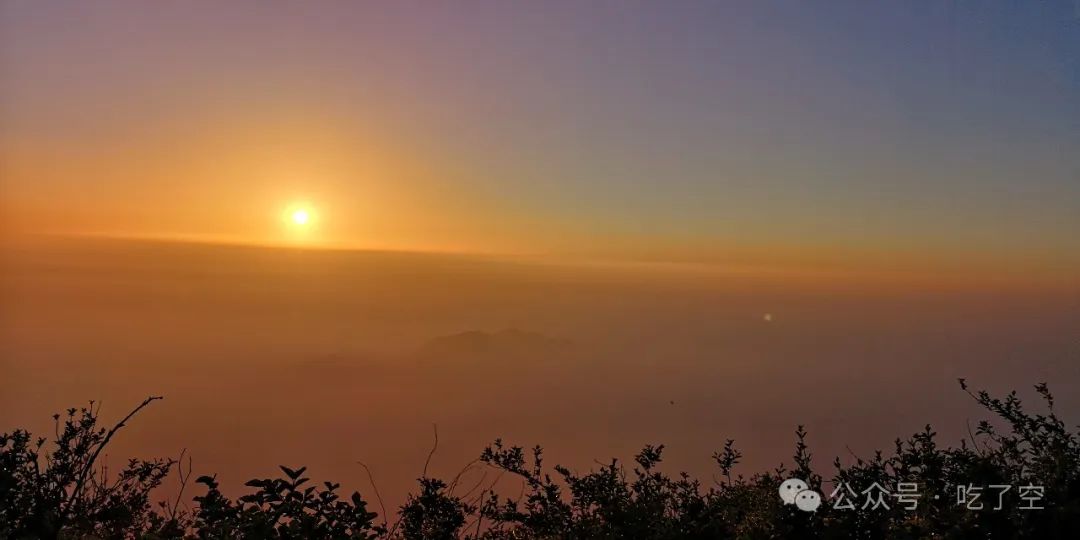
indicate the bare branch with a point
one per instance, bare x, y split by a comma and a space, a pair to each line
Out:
435, 429
457, 478
183, 482
88, 466
371, 480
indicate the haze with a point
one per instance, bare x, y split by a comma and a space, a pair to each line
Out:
320, 229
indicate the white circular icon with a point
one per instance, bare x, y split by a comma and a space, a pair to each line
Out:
808, 500
790, 488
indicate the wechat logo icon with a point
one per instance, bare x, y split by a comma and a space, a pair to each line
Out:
796, 491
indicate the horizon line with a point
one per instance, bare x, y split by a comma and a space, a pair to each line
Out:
942, 276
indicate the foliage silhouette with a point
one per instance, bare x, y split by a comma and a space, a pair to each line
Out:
282, 508
57, 490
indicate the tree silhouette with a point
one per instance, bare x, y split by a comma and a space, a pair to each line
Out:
57, 490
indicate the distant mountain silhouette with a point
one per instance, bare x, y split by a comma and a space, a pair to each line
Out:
478, 344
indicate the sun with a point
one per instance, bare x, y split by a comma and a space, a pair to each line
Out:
300, 220
301, 216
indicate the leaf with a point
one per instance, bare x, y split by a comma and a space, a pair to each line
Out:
292, 474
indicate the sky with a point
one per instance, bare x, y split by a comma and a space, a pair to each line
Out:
882, 135
737, 217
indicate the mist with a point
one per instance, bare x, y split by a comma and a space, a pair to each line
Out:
271, 356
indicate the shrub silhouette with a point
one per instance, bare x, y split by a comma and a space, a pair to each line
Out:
57, 490
282, 508
47, 490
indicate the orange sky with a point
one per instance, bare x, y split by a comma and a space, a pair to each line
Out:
561, 137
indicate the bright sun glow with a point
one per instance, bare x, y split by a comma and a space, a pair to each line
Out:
300, 217
300, 221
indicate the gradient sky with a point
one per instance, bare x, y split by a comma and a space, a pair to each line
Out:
807, 132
